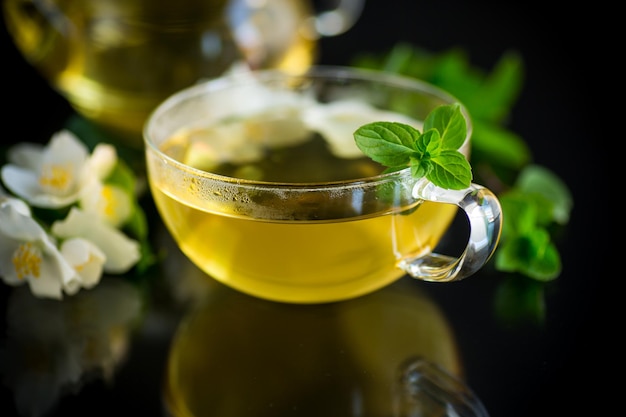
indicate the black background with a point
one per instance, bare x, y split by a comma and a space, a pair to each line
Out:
559, 369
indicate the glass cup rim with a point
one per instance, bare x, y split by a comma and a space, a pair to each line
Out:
316, 71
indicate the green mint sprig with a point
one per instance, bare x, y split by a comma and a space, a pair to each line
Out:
433, 154
535, 202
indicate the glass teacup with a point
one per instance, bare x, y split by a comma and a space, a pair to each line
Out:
258, 179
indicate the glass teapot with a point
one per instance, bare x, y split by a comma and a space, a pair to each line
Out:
115, 60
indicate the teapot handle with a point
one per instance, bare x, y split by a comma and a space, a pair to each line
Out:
338, 18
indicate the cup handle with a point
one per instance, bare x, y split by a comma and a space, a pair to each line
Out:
426, 389
341, 16
484, 213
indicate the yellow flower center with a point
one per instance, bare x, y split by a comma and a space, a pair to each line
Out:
27, 261
80, 267
55, 177
114, 205
109, 202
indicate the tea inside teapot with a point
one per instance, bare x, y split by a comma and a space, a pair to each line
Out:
115, 60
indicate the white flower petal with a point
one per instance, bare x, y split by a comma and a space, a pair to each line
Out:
86, 259
17, 224
50, 176
48, 284
108, 202
26, 155
28, 254
121, 252
62, 165
25, 184
65, 146
102, 160
19, 205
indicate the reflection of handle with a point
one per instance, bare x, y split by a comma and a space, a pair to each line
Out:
339, 19
485, 220
425, 389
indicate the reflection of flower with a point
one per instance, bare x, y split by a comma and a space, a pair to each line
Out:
62, 226
54, 347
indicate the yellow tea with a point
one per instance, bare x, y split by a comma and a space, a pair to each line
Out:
328, 250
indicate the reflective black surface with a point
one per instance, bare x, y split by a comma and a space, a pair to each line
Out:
515, 368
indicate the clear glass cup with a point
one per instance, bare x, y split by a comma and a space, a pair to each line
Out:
257, 177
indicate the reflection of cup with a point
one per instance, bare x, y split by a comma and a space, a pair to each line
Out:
116, 59
258, 179
238, 355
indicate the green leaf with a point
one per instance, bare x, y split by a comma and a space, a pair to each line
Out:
397, 145
487, 96
500, 89
388, 143
454, 73
532, 197
538, 179
450, 123
137, 224
429, 144
450, 170
521, 214
123, 177
421, 168
499, 146
532, 255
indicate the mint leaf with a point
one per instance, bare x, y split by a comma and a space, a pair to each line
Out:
433, 154
429, 144
388, 143
525, 245
538, 179
498, 146
533, 199
450, 170
450, 123
532, 254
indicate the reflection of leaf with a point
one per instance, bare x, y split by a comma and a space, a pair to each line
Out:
520, 300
